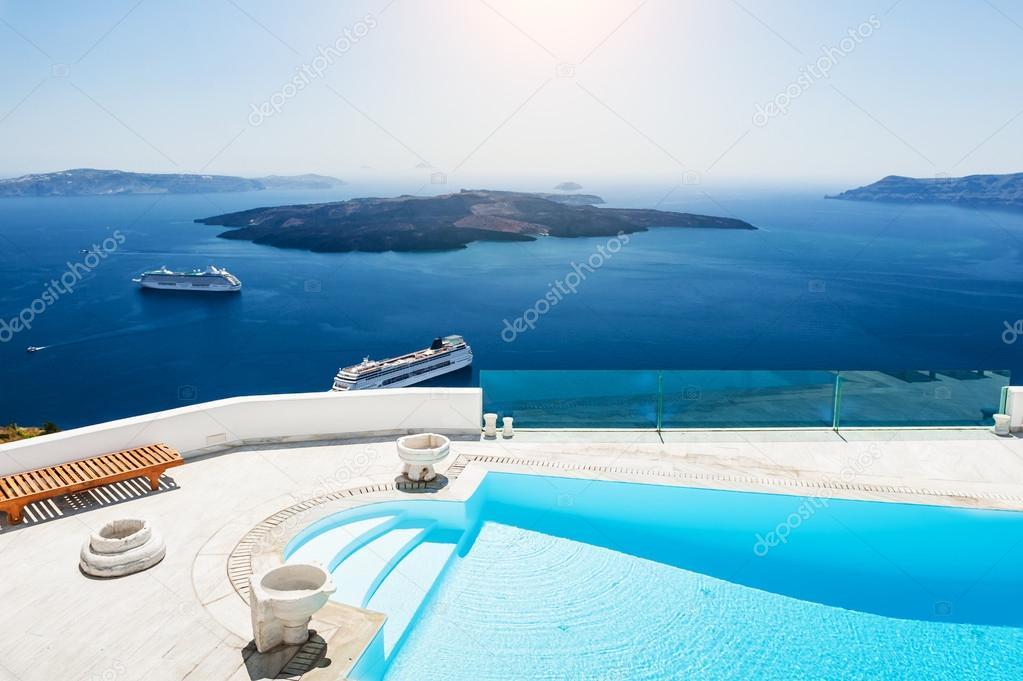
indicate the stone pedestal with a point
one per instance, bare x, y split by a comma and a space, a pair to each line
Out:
121, 547
1001, 424
490, 425
283, 600
419, 453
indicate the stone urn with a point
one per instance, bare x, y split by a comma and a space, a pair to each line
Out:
122, 547
490, 425
284, 599
1001, 424
420, 452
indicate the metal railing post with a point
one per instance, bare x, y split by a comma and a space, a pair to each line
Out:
836, 404
660, 399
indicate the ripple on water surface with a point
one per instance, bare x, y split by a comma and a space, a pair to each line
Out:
526, 605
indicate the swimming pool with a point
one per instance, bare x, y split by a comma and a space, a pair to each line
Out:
539, 577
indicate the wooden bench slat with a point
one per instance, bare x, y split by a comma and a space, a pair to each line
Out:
51, 475
148, 453
127, 458
103, 463
45, 480
77, 471
114, 463
6, 489
62, 475
102, 469
26, 486
19, 489
80, 470
90, 472
133, 460
15, 487
165, 450
32, 480
18, 484
160, 453
65, 475
90, 467
139, 458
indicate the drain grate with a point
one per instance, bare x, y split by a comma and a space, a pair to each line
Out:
746, 479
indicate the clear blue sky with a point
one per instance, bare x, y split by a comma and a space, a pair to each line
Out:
474, 87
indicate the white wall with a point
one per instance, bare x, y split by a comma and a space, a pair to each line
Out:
200, 428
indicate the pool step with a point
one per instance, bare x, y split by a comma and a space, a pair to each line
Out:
401, 591
359, 571
331, 547
395, 559
386, 563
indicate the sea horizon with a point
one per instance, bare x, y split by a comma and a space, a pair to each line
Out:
822, 284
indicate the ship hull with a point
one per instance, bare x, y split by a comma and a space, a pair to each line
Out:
455, 361
213, 288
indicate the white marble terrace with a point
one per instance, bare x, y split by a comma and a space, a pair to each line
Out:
248, 458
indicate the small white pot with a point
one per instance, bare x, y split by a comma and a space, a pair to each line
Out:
1001, 424
509, 427
490, 425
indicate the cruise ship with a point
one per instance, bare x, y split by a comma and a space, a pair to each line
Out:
444, 355
210, 279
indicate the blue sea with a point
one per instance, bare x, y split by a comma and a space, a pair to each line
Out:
822, 284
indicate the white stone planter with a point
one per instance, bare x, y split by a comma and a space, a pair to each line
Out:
490, 425
283, 600
508, 427
122, 547
420, 452
1001, 424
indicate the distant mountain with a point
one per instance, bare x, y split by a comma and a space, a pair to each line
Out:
450, 221
573, 199
568, 187
995, 191
91, 182
307, 181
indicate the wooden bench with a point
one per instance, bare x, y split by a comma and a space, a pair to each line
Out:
21, 489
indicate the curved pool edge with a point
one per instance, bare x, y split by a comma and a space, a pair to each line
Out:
265, 545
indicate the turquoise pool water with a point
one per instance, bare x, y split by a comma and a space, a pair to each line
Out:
554, 578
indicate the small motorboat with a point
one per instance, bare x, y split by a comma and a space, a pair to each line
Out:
32, 348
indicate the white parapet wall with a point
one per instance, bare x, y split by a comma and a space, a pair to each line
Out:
202, 428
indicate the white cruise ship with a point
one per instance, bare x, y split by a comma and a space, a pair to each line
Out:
210, 279
443, 356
